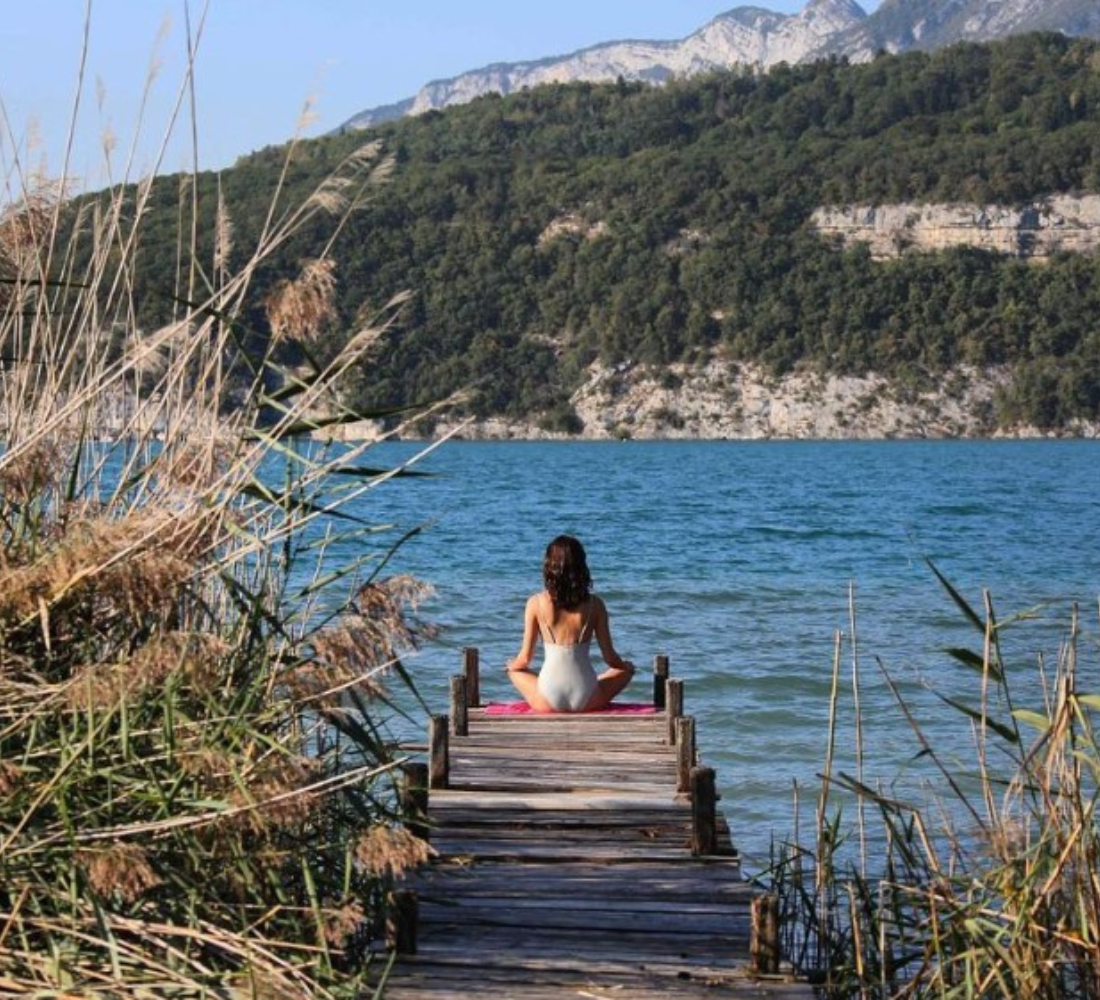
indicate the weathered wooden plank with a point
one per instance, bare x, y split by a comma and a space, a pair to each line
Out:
504, 736
609, 850
527, 987
451, 961
721, 873
516, 785
536, 769
541, 979
585, 989
551, 738
687, 890
643, 753
583, 895
459, 812
583, 944
596, 964
535, 800
608, 904
595, 976
563, 833
595, 921
645, 828
515, 779
565, 839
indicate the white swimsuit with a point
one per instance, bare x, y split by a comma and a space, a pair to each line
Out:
567, 680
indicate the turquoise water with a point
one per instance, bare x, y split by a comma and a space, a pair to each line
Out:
738, 560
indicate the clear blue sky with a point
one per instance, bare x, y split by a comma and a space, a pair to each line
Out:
260, 61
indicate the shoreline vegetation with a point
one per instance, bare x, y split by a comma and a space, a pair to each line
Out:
197, 790
988, 887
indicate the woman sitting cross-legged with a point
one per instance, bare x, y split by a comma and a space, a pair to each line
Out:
567, 615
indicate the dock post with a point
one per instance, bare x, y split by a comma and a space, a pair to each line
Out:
674, 708
660, 679
685, 752
471, 667
764, 942
438, 752
704, 812
402, 917
460, 717
414, 799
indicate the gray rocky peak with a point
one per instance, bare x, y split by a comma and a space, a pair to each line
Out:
753, 36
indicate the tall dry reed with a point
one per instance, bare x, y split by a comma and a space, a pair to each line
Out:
195, 797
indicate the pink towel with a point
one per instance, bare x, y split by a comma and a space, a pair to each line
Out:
522, 708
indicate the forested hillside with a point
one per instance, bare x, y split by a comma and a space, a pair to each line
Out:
542, 231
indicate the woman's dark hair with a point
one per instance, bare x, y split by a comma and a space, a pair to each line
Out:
565, 573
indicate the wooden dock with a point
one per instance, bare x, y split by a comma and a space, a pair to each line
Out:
577, 856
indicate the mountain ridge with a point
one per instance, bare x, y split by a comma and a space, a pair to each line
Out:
758, 38
869, 228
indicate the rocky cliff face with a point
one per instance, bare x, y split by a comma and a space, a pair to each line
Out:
750, 36
900, 25
1058, 224
722, 400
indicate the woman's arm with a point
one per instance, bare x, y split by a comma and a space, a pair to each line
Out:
530, 635
602, 626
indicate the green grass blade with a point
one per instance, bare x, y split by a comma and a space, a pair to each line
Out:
976, 620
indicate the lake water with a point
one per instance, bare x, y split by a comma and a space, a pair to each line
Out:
739, 560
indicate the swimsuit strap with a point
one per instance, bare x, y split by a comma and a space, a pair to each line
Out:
586, 622
546, 627
584, 626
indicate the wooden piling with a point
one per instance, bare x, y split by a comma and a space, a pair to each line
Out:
460, 711
414, 799
685, 752
674, 707
764, 940
660, 679
402, 918
439, 764
704, 811
471, 669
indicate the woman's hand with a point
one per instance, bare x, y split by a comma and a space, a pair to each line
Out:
514, 666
